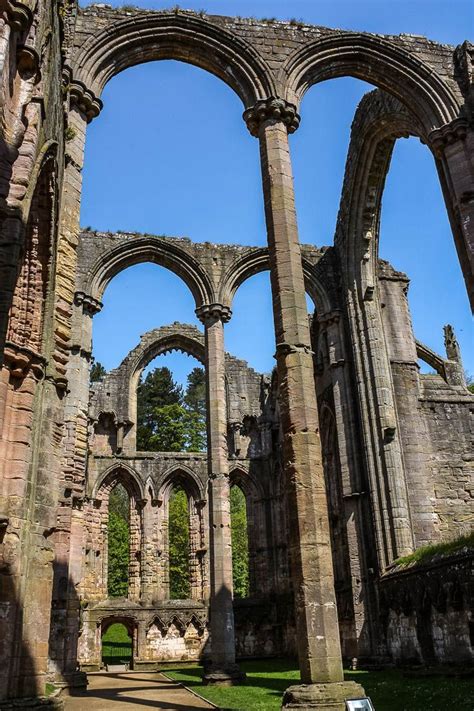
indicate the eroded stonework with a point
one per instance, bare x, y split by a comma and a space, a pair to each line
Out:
348, 456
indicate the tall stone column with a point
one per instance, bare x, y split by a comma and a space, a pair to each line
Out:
222, 669
453, 146
319, 649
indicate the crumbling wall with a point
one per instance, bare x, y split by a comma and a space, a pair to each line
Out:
426, 611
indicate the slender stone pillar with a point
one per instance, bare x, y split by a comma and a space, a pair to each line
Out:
453, 146
222, 669
319, 649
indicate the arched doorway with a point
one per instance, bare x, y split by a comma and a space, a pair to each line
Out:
117, 644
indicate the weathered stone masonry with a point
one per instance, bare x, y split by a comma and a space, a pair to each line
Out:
346, 441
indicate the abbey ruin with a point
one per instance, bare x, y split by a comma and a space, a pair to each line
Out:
348, 456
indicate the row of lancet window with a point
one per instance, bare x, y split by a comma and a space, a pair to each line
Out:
177, 532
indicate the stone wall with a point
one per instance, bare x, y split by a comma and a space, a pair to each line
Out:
427, 614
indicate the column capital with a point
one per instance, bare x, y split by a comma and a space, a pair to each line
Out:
20, 359
82, 97
89, 304
210, 313
19, 15
451, 132
274, 109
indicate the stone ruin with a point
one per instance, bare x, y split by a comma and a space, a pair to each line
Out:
348, 456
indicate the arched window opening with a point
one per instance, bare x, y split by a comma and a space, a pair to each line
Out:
407, 230
118, 542
25, 327
171, 405
171, 166
117, 646
240, 542
179, 545
324, 135
140, 298
250, 334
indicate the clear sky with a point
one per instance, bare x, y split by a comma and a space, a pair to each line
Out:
170, 154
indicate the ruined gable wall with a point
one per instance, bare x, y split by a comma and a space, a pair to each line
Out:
449, 416
435, 421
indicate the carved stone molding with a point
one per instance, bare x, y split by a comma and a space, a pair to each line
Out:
20, 360
19, 15
271, 109
284, 349
450, 133
85, 100
210, 313
28, 62
89, 304
329, 317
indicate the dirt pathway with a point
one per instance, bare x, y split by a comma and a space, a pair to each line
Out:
133, 691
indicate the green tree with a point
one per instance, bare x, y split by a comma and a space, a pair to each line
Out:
195, 396
154, 392
167, 419
469, 381
179, 545
118, 542
195, 403
97, 372
240, 543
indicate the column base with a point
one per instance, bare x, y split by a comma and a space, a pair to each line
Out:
324, 697
71, 681
228, 675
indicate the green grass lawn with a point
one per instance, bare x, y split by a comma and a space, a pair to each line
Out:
389, 690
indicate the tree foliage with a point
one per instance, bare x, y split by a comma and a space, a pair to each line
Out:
240, 543
195, 396
97, 372
168, 419
179, 545
469, 381
118, 542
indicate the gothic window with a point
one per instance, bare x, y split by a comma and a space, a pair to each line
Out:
118, 542
179, 545
240, 542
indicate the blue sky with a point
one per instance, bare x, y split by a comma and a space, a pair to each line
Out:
170, 154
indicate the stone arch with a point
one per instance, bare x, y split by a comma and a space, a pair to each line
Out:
47, 156
150, 489
182, 476
257, 260
431, 358
154, 250
131, 625
119, 473
95, 581
379, 121
122, 382
30, 282
258, 562
187, 339
246, 481
177, 337
379, 61
156, 36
